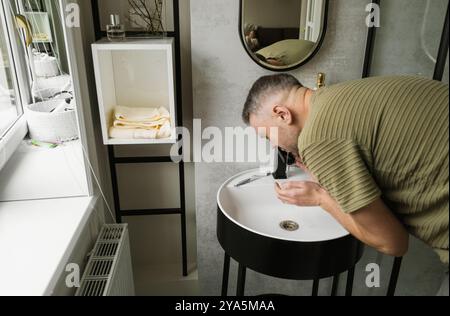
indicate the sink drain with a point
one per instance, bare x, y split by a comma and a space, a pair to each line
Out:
289, 226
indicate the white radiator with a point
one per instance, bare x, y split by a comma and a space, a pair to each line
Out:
109, 271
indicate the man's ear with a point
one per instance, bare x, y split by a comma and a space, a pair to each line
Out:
282, 113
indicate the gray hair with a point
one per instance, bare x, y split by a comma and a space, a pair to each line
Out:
264, 87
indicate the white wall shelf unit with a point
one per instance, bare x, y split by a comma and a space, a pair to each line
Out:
135, 73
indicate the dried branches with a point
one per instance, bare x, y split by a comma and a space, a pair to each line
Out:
147, 15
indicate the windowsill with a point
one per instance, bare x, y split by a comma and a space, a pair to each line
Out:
36, 240
40, 173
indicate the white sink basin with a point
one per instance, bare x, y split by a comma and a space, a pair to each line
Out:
256, 208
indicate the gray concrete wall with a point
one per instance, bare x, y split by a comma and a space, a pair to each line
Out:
410, 32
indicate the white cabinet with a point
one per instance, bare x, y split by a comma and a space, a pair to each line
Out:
135, 73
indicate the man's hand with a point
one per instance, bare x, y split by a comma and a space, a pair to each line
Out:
300, 193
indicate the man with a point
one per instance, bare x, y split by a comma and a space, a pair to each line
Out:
377, 148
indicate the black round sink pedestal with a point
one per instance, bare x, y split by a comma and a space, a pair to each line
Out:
279, 240
286, 259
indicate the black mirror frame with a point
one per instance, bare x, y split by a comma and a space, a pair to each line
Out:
311, 56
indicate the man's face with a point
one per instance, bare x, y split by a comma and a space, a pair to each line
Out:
278, 130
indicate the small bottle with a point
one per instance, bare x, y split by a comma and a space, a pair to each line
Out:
115, 31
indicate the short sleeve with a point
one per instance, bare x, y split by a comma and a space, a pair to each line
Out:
340, 168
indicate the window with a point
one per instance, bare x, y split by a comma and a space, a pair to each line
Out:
36, 82
34, 77
10, 104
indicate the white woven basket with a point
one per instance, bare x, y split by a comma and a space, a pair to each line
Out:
46, 66
51, 127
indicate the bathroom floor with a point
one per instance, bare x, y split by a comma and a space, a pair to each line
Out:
165, 280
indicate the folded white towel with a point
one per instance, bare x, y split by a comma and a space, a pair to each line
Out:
119, 133
140, 115
164, 131
143, 125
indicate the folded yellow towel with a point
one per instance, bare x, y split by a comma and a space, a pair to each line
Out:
143, 125
140, 115
160, 132
119, 133
165, 131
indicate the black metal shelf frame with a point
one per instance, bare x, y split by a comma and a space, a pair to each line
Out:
115, 161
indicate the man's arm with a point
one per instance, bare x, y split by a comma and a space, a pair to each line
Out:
375, 225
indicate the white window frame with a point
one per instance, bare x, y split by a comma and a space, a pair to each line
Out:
78, 70
12, 138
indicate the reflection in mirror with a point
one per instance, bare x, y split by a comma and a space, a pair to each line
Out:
282, 34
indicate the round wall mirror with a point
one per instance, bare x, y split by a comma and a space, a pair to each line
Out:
281, 35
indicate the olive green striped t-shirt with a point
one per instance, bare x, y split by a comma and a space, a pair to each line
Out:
384, 137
